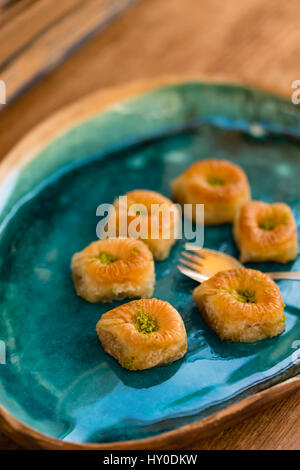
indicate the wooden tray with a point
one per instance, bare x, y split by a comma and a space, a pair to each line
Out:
182, 437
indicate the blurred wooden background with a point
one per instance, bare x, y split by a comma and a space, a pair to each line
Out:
250, 40
37, 35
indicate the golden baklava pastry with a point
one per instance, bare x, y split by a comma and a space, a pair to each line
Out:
242, 305
158, 215
266, 232
218, 184
112, 269
143, 334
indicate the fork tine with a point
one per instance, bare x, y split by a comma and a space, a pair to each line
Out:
200, 251
196, 249
208, 254
195, 259
192, 247
192, 274
193, 266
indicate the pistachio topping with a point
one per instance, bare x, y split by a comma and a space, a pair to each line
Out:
246, 296
145, 323
130, 362
268, 224
106, 258
242, 295
135, 251
215, 181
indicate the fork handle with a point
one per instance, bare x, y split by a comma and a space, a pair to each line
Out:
292, 275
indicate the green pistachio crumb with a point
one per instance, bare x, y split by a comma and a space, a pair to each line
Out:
231, 291
215, 181
106, 258
268, 224
285, 218
145, 323
245, 296
129, 362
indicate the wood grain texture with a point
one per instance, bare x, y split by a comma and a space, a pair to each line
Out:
250, 40
41, 36
276, 428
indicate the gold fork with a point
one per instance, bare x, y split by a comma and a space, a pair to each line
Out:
204, 263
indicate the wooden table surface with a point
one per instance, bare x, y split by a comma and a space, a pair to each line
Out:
253, 40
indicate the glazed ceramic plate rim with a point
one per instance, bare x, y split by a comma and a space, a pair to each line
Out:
26, 151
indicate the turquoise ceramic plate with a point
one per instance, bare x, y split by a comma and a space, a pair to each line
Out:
57, 379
